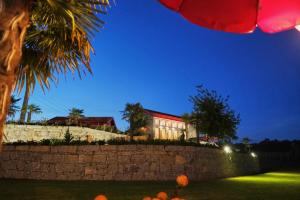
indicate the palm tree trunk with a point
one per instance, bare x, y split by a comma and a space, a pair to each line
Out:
186, 131
29, 117
14, 19
25, 104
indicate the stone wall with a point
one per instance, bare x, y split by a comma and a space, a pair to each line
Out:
124, 162
13, 133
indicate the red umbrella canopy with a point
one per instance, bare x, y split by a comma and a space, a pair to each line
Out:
239, 16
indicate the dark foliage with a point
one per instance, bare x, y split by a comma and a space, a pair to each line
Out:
68, 137
212, 115
13, 108
277, 146
137, 118
156, 142
57, 142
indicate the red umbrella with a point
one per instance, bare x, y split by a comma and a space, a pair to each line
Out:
240, 16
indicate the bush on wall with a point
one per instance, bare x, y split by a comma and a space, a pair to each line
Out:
56, 142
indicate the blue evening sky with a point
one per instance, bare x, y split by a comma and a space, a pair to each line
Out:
148, 54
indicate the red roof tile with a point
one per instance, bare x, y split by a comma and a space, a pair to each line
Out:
163, 115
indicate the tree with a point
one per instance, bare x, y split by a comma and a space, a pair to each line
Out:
212, 115
13, 108
32, 109
42, 25
246, 144
75, 114
68, 137
28, 75
137, 118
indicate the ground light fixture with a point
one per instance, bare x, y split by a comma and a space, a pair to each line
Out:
253, 154
227, 149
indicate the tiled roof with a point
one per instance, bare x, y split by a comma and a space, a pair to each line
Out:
163, 115
88, 121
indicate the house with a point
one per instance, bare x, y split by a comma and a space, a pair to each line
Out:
90, 122
167, 126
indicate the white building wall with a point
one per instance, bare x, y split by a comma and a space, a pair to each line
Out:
191, 133
166, 129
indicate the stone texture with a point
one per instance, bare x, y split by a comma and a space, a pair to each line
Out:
127, 162
40, 148
13, 133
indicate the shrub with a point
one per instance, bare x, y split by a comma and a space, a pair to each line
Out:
20, 142
52, 142
84, 142
182, 137
123, 141
119, 141
57, 142
68, 137
45, 142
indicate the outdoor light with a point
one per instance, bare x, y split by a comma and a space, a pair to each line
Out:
253, 154
298, 28
227, 149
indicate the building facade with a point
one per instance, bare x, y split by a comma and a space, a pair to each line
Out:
168, 127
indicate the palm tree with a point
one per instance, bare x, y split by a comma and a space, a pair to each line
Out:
13, 108
75, 114
136, 116
32, 109
28, 75
57, 31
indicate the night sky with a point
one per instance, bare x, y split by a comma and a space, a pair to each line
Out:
148, 54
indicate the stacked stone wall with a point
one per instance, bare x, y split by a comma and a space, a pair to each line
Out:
123, 162
13, 133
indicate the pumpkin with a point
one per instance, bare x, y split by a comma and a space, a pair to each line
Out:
100, 197
176, 198
182, 180
162, 196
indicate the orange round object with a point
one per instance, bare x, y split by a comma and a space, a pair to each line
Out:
155, 198
147, 198
182, 180
100, 197
162, 195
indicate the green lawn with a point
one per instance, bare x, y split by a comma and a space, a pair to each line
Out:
273, 186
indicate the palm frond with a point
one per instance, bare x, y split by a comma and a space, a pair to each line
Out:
58, 40
32, 108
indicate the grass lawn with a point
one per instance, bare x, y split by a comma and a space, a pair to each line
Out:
273, 186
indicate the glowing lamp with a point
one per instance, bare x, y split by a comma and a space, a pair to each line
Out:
298, 28
227, 149
253, 154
